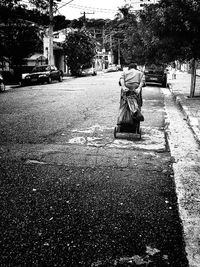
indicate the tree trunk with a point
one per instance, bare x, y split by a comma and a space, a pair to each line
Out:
193, 78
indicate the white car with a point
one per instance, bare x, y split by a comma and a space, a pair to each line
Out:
88, 71
112, 68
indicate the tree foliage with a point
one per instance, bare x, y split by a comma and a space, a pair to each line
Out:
162, 32
79, 48
19, 34
171, 30
95, 23
76, 24
60, 22
132, 45
19, 41
125, 35
42, 5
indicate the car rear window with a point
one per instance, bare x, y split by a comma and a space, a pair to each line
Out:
154, 67
87, 66
41, 68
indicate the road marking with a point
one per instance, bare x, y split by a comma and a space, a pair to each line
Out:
102, 136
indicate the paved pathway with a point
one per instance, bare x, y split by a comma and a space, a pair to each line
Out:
186, 165
180, 88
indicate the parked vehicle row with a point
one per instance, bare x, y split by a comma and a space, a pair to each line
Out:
154, 74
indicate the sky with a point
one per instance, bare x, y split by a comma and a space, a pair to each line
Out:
100, 8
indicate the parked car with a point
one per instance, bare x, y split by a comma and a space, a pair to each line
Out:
119, 67
42, 74
112, 68
155, 74
88, 69
2, 84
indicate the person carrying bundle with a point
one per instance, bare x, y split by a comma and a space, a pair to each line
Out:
132, 82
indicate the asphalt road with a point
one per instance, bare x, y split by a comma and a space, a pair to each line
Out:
72, 195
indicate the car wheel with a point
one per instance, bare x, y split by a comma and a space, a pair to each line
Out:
21, 83
164, 84
94, 73
2, 87
115, 132
49, 79
140, 133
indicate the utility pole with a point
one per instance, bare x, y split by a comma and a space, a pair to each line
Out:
84, 18
111, 50
103, 50
50, 52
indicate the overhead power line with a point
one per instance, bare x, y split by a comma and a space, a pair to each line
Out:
95, 9
65, 4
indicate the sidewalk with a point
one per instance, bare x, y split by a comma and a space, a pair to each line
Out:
186, 164
180, 88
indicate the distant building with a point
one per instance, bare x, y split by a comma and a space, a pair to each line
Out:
35, 59
58, 53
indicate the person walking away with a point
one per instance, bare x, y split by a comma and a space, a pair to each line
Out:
132, 82
173, 74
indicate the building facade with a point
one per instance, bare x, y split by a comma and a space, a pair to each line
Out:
58, 54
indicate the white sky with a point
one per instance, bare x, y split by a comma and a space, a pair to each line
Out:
102, 8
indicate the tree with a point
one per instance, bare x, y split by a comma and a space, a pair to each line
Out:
10, 3
79, 48
171, 31
126, 38
20, 36
132, 44
95, 23
42, 5
19, 41
76, 24
60, 22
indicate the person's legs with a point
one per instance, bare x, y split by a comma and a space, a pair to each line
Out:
141, 100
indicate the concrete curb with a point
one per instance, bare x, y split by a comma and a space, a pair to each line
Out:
11, 86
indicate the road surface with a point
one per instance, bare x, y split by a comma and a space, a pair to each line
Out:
71, 194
